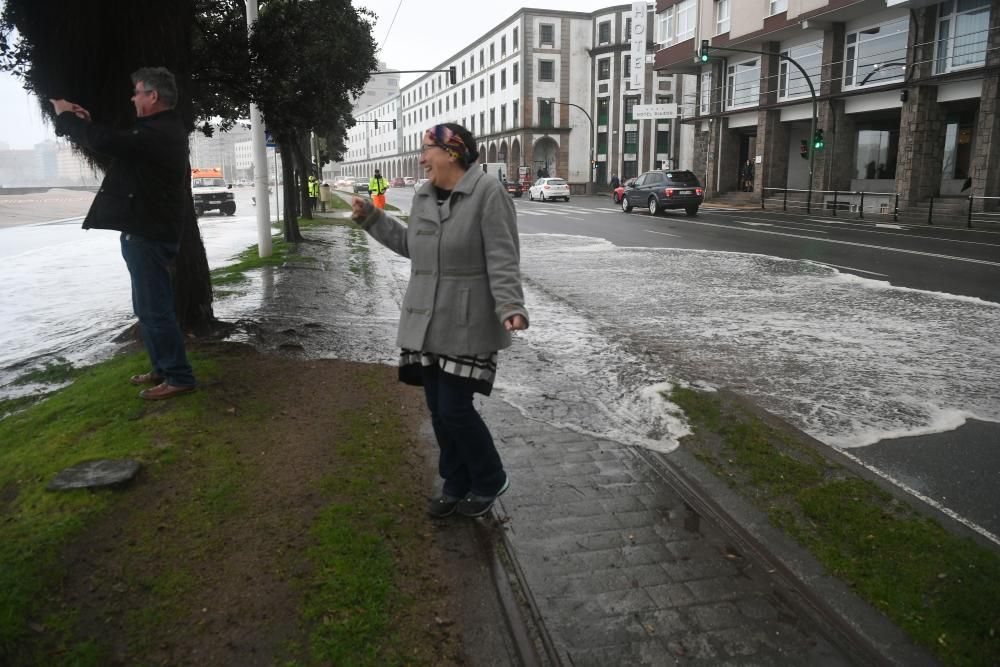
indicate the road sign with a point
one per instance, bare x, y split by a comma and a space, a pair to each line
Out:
651, 111
269, 140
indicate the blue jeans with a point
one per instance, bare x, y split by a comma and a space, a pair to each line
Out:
153, 303
468, 460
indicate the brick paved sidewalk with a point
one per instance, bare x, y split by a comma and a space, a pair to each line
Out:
623, 572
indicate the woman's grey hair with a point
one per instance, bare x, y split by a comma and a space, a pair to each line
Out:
161, 80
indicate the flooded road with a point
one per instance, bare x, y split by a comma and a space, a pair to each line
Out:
851, 361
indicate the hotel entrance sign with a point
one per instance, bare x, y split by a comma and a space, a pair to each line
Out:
637, 68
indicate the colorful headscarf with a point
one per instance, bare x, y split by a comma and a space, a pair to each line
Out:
445, 139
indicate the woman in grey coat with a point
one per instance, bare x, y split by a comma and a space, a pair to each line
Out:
463, 300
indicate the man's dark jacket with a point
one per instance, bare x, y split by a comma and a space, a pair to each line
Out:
147, 187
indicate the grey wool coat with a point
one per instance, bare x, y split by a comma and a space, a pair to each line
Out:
465, 276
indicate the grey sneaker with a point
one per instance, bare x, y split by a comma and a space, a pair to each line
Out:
473, 505
442, 506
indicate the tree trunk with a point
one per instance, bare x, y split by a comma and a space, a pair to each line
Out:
304, 169
291, 218
192, 280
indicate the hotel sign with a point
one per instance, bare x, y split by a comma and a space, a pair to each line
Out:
651, 111
638, 61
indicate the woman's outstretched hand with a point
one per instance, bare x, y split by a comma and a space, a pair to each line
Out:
515, 323
360, 208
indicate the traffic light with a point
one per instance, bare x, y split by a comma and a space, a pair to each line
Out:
818, 142
704, 50
394, 123
804, 149
452, 75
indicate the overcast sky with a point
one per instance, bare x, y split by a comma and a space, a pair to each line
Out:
424, 34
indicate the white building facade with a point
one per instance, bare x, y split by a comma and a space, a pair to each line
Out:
543, 92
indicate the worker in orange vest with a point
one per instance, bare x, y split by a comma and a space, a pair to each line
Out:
376, 188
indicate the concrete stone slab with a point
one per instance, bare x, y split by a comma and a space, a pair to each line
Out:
95, 474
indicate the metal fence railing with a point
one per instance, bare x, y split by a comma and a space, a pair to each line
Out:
837, 203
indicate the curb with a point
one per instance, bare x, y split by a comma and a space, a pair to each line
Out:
852, 623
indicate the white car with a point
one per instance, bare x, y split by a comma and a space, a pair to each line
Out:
549, 188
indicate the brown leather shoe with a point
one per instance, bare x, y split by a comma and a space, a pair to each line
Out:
145, 378
164, 390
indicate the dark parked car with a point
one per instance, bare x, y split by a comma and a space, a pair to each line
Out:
513, 188
665, 189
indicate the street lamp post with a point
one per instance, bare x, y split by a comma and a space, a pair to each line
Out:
590, 178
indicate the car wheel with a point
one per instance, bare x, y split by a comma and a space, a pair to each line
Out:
626, 207
691, 211
567, 200
542, 195
653, 206
531, 196
229, 208
614, 195
199, 211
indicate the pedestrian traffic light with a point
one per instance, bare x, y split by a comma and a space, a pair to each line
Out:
818, 142
704, 50
804, 149
376, 124
452, 75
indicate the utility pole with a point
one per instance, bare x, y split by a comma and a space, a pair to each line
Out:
260, 176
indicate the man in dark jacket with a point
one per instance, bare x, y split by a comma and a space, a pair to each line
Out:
144, 196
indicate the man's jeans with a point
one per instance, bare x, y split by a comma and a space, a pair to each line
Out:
469, 460
153, 303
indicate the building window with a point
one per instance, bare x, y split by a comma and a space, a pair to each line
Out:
743, 84
493, 56
628, 30
706, 93
493, 121
472, 93
482, 121
472, 124
447, 104
503, 46
463, 96
546, 34
503, 79
602, 143
482, 58
545, 112
627, 67
631, 141
676, 24
463, 69
721, 16
876, 54
875, 153
516, 120
604, 32
791, 83
515, 39
503, 117
663, 141
777, 6
962, 29
513, 75
472, 64
604, 68
493, 83
630, 103
482, 88
602, 111
546, 70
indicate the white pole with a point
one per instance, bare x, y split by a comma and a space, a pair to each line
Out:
259, 163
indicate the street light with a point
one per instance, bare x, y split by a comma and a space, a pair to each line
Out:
593, 164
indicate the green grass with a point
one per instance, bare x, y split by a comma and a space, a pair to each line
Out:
52, 373
250, 259
351, 594
98, 416
942, 590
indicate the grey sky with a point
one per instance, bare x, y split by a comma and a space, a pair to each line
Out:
424, 34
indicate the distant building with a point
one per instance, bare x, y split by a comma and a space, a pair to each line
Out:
219, 150
544, 91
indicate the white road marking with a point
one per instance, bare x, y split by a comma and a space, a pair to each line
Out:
573, 217
768, 224
849, 268
662, 233
854, 243
888, 226
755, 224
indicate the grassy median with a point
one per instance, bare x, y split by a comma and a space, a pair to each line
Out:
941, 589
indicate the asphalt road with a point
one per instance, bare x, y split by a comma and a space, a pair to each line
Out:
956, 471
